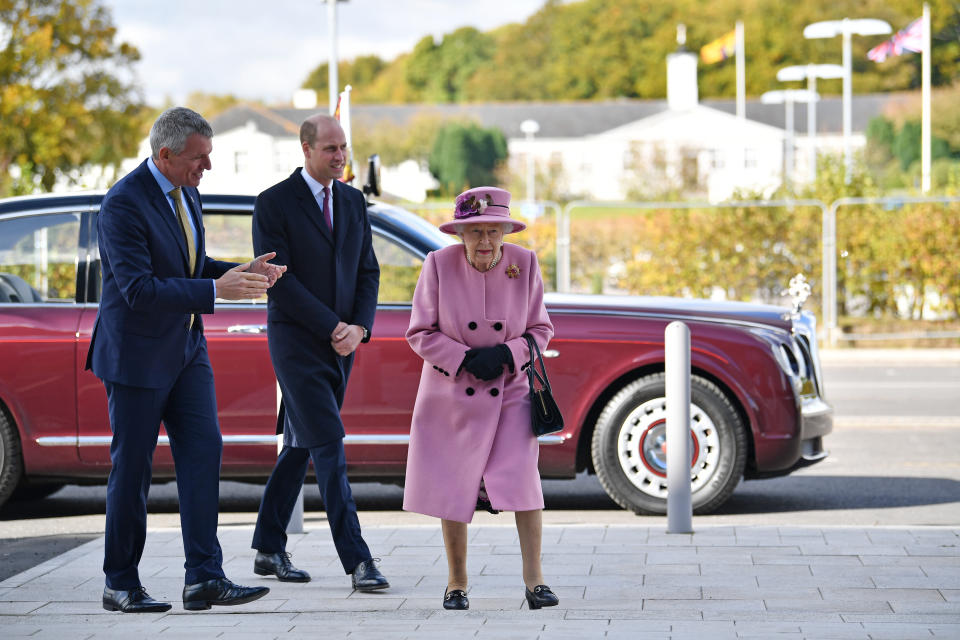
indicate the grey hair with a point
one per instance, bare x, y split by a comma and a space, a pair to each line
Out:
174, 126
460, 227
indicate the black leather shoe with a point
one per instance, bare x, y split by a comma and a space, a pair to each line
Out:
278, 564
541, 596
366, 577
456, 599
132, 601
220, 591
484, 504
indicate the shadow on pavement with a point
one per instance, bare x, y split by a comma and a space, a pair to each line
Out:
20, 554
827, 493
775, 495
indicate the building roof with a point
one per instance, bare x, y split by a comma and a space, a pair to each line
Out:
561, 119
829, 111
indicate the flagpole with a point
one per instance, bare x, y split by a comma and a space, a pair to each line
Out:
333, 81
741, 73
812, 122
925, 98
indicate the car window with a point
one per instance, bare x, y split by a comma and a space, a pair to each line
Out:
399, 270
229, 238
38, 258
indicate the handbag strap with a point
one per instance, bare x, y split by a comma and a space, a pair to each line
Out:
536, 357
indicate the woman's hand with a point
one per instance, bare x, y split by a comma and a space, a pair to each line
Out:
486, 363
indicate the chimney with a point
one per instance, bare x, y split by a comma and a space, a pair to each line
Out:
304, 99
681, 75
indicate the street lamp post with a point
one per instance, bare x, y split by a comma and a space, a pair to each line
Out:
787, 97
846, 28
333, 81
811, 72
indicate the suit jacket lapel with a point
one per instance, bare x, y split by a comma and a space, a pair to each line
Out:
197, 216
158, 199
308, 205
341, 215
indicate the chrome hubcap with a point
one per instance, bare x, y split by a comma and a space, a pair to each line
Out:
641, 447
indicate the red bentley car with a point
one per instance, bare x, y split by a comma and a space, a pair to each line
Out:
757, 406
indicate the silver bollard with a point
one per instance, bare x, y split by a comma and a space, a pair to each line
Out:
296, 518
676, 339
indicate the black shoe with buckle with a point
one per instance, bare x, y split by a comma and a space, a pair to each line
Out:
456, 599
278, 564
366, 577
484, 504
132, 601
541, 596
219, 591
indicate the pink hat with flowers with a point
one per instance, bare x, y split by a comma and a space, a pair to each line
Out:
480, 205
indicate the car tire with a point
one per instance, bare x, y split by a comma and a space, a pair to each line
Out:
11, 462
629, 454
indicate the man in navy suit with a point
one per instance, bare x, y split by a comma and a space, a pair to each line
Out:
149, 350
316, 317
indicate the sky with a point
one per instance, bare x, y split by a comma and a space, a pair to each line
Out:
264, 50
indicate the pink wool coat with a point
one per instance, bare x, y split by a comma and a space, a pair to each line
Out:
464, 428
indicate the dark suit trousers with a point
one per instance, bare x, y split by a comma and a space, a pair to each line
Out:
188, 410
283, 488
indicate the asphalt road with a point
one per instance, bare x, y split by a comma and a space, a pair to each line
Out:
892, 462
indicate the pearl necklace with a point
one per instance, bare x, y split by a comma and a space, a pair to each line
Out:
492, 264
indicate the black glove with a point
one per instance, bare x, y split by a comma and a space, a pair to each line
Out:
487, 363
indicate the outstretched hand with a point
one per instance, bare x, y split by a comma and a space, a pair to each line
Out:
273, 272
240, 284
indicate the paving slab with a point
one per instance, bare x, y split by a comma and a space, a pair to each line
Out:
613, 580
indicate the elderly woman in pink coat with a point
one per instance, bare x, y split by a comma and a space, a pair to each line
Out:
471, 436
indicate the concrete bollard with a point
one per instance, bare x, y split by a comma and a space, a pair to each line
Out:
676, 339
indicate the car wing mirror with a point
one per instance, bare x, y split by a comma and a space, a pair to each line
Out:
372, 186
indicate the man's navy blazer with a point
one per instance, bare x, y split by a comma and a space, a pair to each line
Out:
149, 290
330, 277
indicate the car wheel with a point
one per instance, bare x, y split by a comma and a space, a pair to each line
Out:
11, 465
629, 452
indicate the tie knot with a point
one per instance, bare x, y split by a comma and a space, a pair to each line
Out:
174, 193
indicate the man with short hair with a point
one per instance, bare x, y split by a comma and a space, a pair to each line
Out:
149, 350
316, 317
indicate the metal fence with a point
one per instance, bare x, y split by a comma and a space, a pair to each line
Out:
828, 268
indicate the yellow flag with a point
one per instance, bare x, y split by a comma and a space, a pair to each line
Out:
720, 49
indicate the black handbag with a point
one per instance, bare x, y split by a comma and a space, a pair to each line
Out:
544, 413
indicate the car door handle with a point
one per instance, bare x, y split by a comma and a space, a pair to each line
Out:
551, 353
247, 328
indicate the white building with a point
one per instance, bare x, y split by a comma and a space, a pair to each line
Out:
601, 150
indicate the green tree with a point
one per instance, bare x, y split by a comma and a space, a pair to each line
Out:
906, 145
396, 143
360, 73
602, 49
442, 72
466, 155
64, 99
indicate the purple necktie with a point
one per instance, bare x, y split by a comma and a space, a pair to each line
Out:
327, 214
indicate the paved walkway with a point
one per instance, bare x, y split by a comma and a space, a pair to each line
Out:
614, 581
